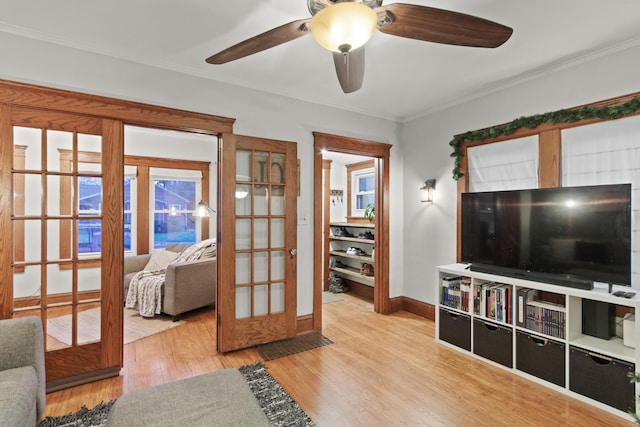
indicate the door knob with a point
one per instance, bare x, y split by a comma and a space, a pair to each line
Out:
293, 252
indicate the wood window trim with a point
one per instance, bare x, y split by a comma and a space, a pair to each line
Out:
143, 165
351, 168
550, 152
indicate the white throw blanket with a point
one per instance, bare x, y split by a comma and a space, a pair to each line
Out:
145, 292
145, 289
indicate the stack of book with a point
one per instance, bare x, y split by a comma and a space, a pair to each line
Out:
455, 292
493, 301
540, 316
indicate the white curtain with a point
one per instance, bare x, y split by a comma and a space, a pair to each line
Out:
507, 165
607, 153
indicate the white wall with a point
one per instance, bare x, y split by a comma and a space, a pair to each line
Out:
430, 235
338, 211
257, 114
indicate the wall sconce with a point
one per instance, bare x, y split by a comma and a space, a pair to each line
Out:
427, 191
202, 210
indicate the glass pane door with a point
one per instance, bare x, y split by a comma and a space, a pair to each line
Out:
57, 222
257, 253
65, 233
259, 223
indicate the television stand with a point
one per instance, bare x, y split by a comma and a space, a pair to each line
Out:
540, 331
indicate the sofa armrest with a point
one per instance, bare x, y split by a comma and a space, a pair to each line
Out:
189, 285
135, 263
22, 344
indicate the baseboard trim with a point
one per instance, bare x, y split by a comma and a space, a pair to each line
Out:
359, 289
77, 380
419, 308
304, 323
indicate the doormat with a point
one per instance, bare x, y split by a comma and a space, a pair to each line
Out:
298, 344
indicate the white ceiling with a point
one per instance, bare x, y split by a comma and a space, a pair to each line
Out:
403, 78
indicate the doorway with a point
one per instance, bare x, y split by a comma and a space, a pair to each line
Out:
348, 198
379, 152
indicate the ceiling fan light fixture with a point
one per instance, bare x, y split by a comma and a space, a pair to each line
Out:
343, 27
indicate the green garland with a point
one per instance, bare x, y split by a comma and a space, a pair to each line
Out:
531, 122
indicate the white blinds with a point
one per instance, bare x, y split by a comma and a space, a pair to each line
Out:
607, 153
602, 153
175, 174
508, 165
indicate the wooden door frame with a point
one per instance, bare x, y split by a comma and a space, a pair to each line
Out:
117, 113
381, 152
326, 215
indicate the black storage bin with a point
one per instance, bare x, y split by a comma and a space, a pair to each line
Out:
455, 329
601, 378
540, 357
493, 342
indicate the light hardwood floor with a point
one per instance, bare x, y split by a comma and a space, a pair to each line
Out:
381, 371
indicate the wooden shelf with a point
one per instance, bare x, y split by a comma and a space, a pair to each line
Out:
354, 273
351, 224
339, 246
353, 239
358, 257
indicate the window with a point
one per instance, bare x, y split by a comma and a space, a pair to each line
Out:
166, 213
606, 153
364, 190
129, 211
508, 165
174, 196
361, 188
90, 207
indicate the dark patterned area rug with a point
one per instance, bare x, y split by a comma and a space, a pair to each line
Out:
280, 408
297, 344
85, 417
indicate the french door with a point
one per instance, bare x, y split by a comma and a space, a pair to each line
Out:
62, 236
257, 223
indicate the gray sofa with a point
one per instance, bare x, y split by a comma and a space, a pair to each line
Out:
22, 372
187, 285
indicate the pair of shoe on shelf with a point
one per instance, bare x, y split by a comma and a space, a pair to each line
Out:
341, 232
352, 250
366, 269
336, 263
366, 235
336, 285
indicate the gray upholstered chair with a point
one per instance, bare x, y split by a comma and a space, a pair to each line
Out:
22, 372
188, 285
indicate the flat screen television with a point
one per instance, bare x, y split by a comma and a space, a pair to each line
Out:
570, 236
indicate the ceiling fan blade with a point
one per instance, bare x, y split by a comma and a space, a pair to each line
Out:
350, 69
264, 41
441, 26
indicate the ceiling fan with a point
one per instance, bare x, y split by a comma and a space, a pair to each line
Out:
344, 26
